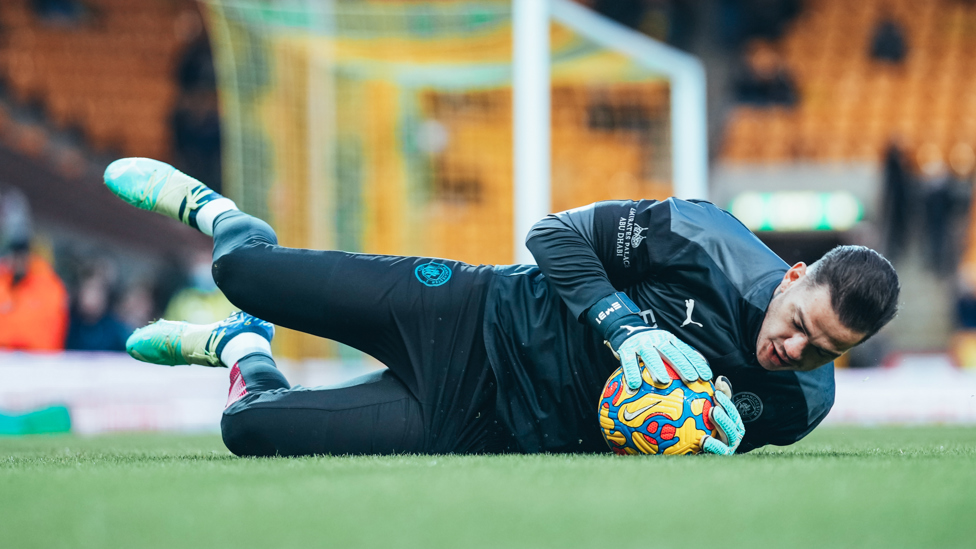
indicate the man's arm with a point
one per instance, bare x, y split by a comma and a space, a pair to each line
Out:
590, 253
578, 251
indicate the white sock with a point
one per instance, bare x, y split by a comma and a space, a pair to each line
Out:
209, 211
242, 345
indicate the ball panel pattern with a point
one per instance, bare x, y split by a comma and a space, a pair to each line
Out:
658, 418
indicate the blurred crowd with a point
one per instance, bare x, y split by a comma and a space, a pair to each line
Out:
83, 296
81, 299
927, 202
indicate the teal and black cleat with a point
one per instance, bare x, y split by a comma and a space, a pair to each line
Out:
158, 187
177, 343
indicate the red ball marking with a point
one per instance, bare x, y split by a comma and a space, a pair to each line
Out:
610, 389
652, 427
667, 432
650, 439
606, 405
671, 372
619, 451
706, 416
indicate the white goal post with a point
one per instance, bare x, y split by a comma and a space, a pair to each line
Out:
689, 135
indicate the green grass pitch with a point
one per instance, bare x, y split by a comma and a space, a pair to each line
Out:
841, 487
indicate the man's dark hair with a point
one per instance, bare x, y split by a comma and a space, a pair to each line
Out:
863, 287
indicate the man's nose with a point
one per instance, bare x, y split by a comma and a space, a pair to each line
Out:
795, 346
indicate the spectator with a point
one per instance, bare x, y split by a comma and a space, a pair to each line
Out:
94, 327
136, 306
936, 200
196, 133
888, 41
58, 12
765, 80
966, 296
33, 301
896, 200
962, 162
202, 302
196, 120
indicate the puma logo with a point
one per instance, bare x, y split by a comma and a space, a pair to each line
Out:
689, 307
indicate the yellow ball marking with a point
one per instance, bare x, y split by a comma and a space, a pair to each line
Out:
616, 437
689, 439
701, 387
646, 376
643, 444
605, 421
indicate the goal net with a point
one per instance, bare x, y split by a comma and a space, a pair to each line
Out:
386, 127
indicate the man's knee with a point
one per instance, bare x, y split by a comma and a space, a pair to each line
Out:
235, 271
229, 272
245, 435
240, 244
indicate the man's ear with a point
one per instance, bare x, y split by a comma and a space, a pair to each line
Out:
795, 274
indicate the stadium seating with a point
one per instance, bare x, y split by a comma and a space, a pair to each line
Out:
851, 106
111, 74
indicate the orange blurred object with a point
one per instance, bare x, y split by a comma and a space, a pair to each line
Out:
34, 312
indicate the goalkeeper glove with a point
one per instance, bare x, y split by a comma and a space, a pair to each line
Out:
615, 318
726, 417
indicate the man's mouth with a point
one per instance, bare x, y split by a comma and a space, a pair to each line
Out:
778, 358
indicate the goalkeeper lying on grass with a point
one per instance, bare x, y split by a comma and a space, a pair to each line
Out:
513, 358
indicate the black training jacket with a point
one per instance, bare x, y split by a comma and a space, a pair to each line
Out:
692, 268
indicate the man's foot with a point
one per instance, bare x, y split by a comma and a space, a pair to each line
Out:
158, 187
176, 343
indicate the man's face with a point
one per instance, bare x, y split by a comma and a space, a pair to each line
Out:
801, 331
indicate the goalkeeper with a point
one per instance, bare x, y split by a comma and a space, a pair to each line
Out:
513, 358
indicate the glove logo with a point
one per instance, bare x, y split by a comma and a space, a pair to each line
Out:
749, 405
433, 274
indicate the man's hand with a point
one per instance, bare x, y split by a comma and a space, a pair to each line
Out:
726, 417
616, 318
649, 345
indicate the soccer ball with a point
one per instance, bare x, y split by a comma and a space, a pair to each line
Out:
656, 418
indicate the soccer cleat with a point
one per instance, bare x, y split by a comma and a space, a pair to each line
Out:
158, 187
177, 343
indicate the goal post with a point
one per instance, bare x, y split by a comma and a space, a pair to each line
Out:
402, 128
531, 88
689, 124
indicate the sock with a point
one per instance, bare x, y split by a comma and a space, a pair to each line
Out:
254, 373
209, 212
243, 345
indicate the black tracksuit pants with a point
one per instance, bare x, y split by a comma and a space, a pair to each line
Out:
420, 317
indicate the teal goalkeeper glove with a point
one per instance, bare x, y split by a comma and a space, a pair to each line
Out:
616, 318
726, 417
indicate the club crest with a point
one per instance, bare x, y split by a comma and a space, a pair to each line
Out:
749, 405
433, 274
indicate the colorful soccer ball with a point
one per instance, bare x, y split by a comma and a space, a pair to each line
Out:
656, 418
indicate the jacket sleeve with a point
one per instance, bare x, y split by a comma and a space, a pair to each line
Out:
591, 252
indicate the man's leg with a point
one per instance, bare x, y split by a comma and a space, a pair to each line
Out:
375, 414
421, 317
265, 416
373, 303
